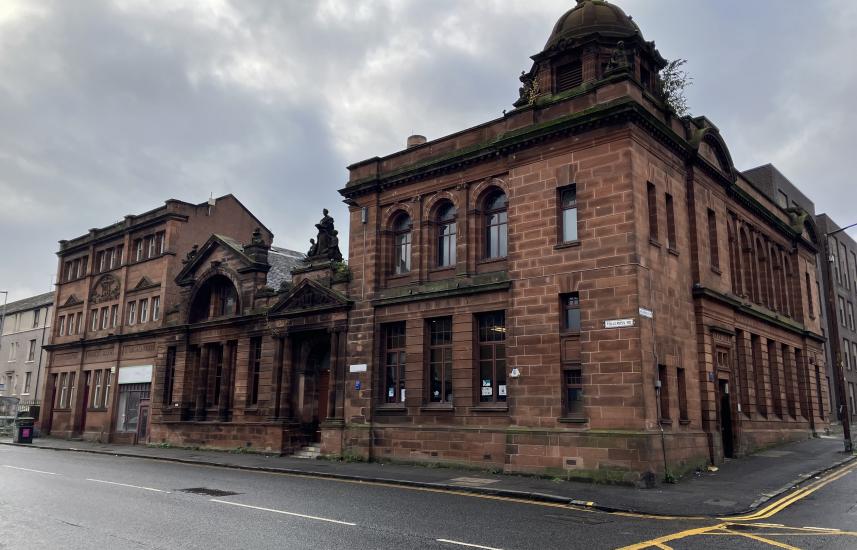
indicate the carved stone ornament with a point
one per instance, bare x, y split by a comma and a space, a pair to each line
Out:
797, 217
618, 59
191, 254
105, 290
530, 89
309, 297
326, 244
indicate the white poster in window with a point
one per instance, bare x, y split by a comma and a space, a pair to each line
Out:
487, 392
391, 392
501, 390
135, 375
403, 395
486, 383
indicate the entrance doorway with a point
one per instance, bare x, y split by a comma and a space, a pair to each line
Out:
84, 404
312, 359
726, 419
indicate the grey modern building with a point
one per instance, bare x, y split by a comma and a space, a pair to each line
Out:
840, 268
25, 330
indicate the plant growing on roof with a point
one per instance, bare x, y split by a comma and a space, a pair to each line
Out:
674, 82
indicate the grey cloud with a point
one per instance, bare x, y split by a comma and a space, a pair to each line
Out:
110, 107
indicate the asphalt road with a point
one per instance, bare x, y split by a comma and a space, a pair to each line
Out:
51, 499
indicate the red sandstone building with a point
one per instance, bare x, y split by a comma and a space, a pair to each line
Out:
544, 292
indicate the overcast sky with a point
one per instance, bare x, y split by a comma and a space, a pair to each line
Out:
110, 107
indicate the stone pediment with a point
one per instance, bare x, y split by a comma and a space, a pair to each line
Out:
310, 296
144, 284
72, 301
198, 260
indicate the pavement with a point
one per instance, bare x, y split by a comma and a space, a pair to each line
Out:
737, 487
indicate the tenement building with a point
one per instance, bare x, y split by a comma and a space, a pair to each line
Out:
116, 297
25, 327
549, 290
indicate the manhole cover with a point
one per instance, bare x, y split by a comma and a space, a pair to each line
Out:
208, 492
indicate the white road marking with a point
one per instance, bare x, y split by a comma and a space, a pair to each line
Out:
823, 529
29, 470
284, 512
468, 544
126, 485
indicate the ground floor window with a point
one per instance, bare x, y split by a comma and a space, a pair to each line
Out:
440, 360
128, 407
491, 340
394, 362
572, 391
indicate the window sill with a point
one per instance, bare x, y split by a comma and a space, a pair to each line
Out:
573, 420
491, 260
665, 422
653, 242
439, 407
569, 244
672, 251
684, 422
716, 271
489, 408
450, 268
62, 409
96, 409
391, 408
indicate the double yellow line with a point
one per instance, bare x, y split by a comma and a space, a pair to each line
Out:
781, 504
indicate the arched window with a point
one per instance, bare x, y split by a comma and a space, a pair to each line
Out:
402, 245
496, 225
216, 297
446, 235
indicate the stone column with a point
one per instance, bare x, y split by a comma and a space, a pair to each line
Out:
333, 378
225, 404
202, 384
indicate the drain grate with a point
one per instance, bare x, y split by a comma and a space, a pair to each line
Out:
208, 492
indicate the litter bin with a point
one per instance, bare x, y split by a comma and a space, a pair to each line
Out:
23, 430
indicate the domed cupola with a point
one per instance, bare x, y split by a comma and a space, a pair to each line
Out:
592, 42
592, 17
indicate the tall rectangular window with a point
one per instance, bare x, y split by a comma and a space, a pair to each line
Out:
572, 376
809, 296
682, 394
788, 369
851, 398
78, 322
116, 259
169, 376
758, 369
105, 318
93, 320
393, 357
854, 355
100, 261
440, 360
28, 379
96, 390
108, 382
36, 316
570, 312
132, 313
851, 316
144, 310
491, 350
664, 392
842, 311
774, 369
160, 242
818, 392
568, 213
156, 308
671, 237
114, 315
138, 250
846, 363
63, 400
152, 245
255, 368
713, 247
651, 196
61, 326
31, 351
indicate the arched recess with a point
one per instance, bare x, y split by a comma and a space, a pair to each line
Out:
762, 265
492, 205
734, 259
443, 219
399, 239
216, 295
748, 262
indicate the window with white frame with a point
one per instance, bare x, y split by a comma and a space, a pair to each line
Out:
144, 310
31, 351
156, 308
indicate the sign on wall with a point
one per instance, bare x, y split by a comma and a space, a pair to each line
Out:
135, 375
619, 323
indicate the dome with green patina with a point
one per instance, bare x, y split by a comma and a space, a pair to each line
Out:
591, 17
